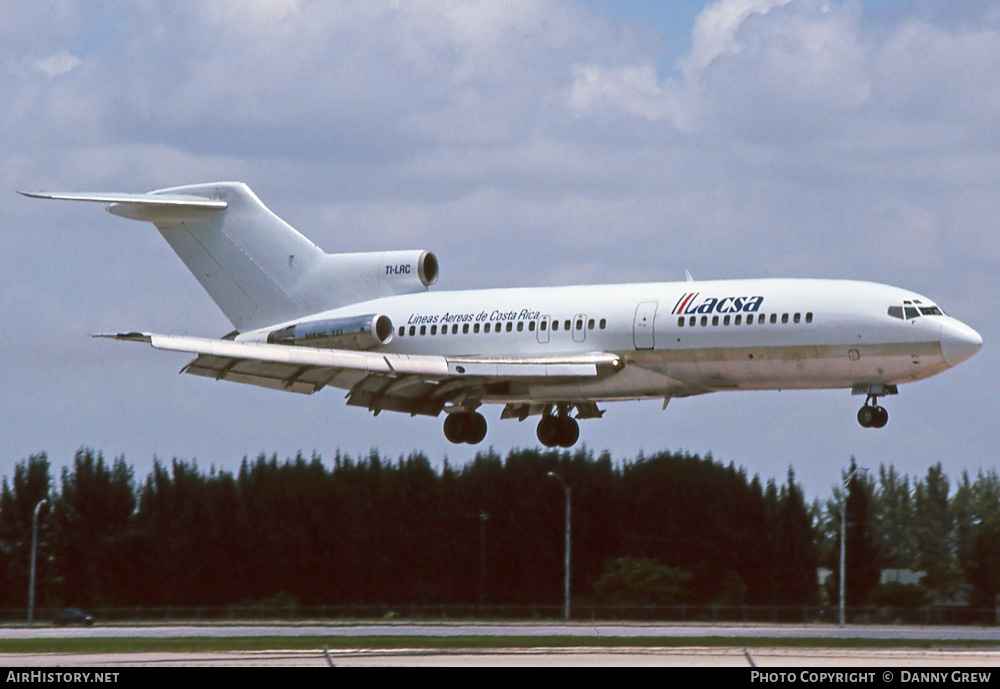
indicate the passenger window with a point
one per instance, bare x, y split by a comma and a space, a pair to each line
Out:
715, 320
475, 328
692, 321
434, 330
590, 324
566, 324
544, 325
738, 320
423, 330
680, 322
413, 330
520, 326
760, 319
555, 326
796, 318
402, 329
774, 318
486, 328
465, 329
725, 321
531, 326
704, 320
604, 323
809, 317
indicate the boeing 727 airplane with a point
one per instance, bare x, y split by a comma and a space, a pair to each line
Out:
367, 323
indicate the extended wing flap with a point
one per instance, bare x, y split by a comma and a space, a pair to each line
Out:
419, 384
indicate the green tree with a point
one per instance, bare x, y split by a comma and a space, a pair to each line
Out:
894, 516
92, 518
933, 533
977, 509
862, 561
641, 581
30, 484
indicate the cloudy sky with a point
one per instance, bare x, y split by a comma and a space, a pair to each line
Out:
528, 143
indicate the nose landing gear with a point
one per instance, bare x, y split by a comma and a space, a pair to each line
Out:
872, 415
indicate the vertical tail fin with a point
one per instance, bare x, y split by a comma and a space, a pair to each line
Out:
255, 266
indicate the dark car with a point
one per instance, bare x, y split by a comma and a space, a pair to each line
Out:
71, 616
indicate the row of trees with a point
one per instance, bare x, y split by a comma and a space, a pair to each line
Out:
375, 531
949, 535
666, 529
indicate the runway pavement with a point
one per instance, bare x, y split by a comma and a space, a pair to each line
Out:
501, 629
701, 655
566, 657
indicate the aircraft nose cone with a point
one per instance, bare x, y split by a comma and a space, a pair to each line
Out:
959, 342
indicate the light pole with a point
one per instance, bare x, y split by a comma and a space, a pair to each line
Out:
483, 518
34, 548
843, 538
566, 491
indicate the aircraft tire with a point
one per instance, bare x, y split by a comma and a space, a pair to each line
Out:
866, 416
455, 427
548, 431
465, 427
475, 428
569, 431
881, 417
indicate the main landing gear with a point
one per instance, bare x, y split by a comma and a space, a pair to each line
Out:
465, 427
872, 415
558, 430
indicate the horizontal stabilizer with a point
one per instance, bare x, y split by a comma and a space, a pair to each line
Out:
153, 200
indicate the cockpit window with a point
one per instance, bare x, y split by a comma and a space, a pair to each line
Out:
909, 312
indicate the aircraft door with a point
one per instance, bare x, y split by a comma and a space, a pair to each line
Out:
542, 333
579, 327
642, 327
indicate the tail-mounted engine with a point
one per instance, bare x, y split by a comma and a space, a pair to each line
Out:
351, 332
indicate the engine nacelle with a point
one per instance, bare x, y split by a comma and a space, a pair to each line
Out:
350, 332
397, 266
374, 274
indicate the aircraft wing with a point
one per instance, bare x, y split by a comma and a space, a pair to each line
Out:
415, 384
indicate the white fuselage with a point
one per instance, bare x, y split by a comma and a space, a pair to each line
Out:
685, 338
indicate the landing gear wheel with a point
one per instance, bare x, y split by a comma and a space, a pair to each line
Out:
569, 431
454, 427
558, 431
881, 417
873, 416
548, 431
866, 416
465, 427
477, 428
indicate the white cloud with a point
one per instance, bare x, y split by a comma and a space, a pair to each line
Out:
57, 64
526, 143
715, 29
